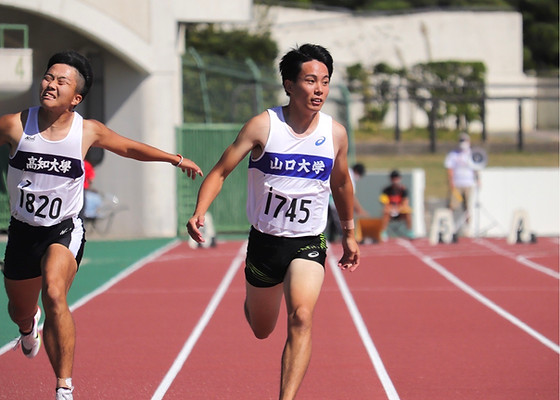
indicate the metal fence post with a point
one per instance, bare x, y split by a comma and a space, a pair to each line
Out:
203, 84
258, 86
397, 116
432, 126
520, 121
483, 116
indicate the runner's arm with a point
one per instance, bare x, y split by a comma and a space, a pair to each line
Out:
98, 135
343, 196
252, 136
11, 129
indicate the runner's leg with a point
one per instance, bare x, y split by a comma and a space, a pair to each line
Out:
302, 286
23, 296
59, 333
262, 306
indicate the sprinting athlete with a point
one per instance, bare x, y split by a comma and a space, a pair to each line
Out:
46, 182
298, 156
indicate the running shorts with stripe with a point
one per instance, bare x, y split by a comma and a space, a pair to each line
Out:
27, 245
268, 256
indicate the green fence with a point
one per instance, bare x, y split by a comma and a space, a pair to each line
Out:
204, 144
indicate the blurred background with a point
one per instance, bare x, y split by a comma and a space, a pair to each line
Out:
409, 77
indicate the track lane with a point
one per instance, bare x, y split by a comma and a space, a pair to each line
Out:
515, 288
437, 343
229, 363
499, 275
128, 337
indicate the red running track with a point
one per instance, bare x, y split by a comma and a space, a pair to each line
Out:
472, 320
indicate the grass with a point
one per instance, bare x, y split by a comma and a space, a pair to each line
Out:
436, 175
375, 133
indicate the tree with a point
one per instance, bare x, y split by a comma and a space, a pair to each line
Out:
449, 89
228, 76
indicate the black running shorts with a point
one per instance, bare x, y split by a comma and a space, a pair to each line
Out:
27, 245
268, 257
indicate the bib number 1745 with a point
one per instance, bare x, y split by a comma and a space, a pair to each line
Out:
291, 209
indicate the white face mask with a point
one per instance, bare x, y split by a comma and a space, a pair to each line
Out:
464, 146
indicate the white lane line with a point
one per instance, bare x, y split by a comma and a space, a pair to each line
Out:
478, 296
520, 259
107, 285
201, 325
363, 331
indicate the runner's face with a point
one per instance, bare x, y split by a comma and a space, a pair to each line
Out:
59, 87
311, 88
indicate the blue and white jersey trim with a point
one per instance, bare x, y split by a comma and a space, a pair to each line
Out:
294, 165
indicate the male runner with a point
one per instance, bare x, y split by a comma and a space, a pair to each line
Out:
298, 155
46, 182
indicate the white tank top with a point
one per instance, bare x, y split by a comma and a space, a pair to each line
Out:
289, 184
46, 178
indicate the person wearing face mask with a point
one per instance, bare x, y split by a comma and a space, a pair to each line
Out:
462, 176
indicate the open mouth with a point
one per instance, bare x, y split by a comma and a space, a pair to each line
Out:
47, 96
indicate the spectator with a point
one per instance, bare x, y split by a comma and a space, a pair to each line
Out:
395, 205
92, 198
462, 177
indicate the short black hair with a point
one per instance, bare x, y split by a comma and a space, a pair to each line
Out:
395, 174
359, 169
78, 61
290, 65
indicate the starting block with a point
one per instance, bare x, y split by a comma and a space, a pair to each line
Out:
208, 233
520, 230
443, 227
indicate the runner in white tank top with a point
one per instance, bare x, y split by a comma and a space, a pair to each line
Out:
289, 184
297, 155
46, 183
45, 177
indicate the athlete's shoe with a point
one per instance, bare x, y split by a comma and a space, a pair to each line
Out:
31, 342
64, 394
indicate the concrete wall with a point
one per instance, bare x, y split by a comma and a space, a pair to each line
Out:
16, 70
504, 190
138, 44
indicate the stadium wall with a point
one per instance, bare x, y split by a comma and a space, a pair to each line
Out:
505, 190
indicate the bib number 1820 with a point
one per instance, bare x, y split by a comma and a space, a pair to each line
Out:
45, 207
